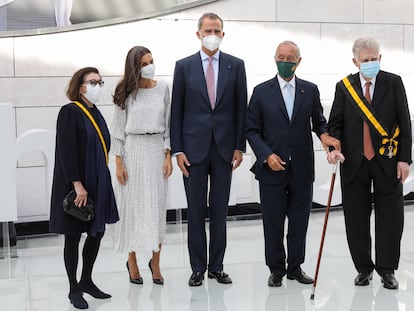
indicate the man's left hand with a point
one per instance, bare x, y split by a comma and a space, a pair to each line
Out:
403, 169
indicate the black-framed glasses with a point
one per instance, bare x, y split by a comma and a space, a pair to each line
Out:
95, 82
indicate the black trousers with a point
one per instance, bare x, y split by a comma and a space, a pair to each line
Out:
389, 218
211, 178
289, 200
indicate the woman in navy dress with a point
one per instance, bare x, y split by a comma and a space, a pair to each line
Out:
81, 165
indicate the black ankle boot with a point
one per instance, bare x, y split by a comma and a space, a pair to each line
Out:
91, 289
77, 300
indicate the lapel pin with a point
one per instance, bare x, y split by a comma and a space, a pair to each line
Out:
302, 91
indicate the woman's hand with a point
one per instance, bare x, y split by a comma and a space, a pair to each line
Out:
167, 167
121, 172
81, 194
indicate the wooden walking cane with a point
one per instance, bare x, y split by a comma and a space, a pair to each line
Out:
328, 207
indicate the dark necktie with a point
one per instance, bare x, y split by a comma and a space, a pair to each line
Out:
369, 152
211, 87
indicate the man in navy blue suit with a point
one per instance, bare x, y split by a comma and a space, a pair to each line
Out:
281, 116
208, 109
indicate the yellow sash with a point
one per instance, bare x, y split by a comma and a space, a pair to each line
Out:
98, 130
367, 112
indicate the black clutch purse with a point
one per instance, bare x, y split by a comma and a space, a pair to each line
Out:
84, 213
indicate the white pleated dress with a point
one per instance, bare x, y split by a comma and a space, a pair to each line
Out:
140, 135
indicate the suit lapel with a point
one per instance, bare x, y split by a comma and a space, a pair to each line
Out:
380, 89
225, 68
300, 93
197, 67
356, 83
280, 102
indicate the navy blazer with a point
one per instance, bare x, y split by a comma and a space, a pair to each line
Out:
193, 123
269, 130
390, 103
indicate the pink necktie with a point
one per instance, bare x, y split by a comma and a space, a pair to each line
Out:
369, 152
211, 85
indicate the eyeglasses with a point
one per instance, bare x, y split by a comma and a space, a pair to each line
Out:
94, 82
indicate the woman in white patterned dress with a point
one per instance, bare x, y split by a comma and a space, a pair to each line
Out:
141, 144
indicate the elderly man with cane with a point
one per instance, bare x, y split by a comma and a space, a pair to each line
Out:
370, 117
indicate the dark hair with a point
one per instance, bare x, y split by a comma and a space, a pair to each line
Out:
210, 16
72, 91
132, 73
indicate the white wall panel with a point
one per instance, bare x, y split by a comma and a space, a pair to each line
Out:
388, 11
249, 10
6, 58
408, 49
337, 41
34, 91
325, 11
256, 42
31, 194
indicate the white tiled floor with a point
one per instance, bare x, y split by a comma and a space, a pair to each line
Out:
36, 279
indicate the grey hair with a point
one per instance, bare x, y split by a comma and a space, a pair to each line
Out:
364, 43
291, 43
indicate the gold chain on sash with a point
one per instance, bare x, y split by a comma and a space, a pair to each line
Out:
98, 130
387, 144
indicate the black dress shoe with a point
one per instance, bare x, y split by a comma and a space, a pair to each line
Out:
274, 280
90, 288
155, 281
300, 276
220, 276
196, 279
139, 280
363, 278
389, 281
77, 300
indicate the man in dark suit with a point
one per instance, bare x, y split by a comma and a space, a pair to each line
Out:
208, 109
279, 118
377, 155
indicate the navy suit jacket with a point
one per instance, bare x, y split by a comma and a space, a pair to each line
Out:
390, 103
269, 130
193, 123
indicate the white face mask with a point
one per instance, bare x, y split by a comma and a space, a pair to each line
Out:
211, 42
93, 93
148, 71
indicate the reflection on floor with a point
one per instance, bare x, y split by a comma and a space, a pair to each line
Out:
36, 279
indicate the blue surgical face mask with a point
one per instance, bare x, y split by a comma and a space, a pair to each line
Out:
370, 69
